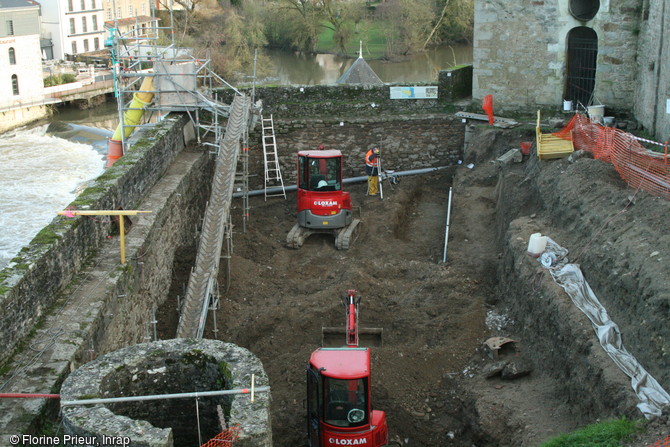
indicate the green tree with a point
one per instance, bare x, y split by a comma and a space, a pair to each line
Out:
303, 24
336, 15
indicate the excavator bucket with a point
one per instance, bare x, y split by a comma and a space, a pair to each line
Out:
334, 337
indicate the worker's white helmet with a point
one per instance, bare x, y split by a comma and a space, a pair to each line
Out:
322, 183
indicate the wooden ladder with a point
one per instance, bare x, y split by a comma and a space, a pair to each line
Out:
273, 178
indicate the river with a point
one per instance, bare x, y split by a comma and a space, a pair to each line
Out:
48, 163
45, 166
309, 69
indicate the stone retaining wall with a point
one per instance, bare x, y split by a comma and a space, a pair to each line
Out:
109, 305
407, 142
369, 101
11, 119
38, 275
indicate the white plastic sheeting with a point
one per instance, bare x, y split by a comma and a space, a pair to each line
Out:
569, 276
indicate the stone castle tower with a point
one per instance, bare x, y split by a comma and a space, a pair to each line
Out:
531, 53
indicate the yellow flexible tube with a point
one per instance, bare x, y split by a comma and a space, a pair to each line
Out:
133, 116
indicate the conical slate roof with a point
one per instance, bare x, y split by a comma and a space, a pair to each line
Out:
360, 73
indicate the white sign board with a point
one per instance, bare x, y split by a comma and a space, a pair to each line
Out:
427, 92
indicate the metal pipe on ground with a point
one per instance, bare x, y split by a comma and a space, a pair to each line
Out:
446, 231
363, 178
109, 400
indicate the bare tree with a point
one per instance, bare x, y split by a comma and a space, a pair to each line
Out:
231, 39
411, 24
455, 21
186, 16
186, 5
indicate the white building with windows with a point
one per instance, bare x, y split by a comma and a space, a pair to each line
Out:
21, 81
76, 26
124, 9
133, 19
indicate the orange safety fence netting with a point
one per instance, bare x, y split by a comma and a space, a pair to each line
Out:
639, 167
487, 105
661, 443
226, 438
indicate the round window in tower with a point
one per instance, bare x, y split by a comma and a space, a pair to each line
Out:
584, 10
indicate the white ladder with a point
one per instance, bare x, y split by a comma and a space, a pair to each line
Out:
273, 178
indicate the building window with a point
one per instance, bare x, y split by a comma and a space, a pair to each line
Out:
109, 14
85, 45
72, 28
74, 47
83, 5
95, 23
584, 10
118, 12
92, 4
144, 8
96, 43
130, 10
15, 85
10, 27
84, 26
69, 5
12, 56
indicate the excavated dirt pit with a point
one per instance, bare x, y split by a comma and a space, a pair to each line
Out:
430, 374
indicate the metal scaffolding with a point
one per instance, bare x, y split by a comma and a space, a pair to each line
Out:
171, 79
152, 79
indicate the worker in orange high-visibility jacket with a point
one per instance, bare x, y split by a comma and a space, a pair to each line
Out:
372, 170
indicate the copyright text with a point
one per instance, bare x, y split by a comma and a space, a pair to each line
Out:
24, 440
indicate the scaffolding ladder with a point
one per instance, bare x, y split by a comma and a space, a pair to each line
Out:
273, 179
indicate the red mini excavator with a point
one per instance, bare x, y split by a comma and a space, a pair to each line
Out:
339, 409
323, 207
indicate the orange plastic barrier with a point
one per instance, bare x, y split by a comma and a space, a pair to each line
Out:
226, 438
639, 167
661, 443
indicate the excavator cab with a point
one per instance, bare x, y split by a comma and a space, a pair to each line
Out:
339, 411
322, 205
320, 171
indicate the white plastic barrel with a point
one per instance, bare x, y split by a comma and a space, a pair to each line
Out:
567, 105
536, 244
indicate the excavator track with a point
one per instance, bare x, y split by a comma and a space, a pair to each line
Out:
344, 237
347, 235
297, 236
